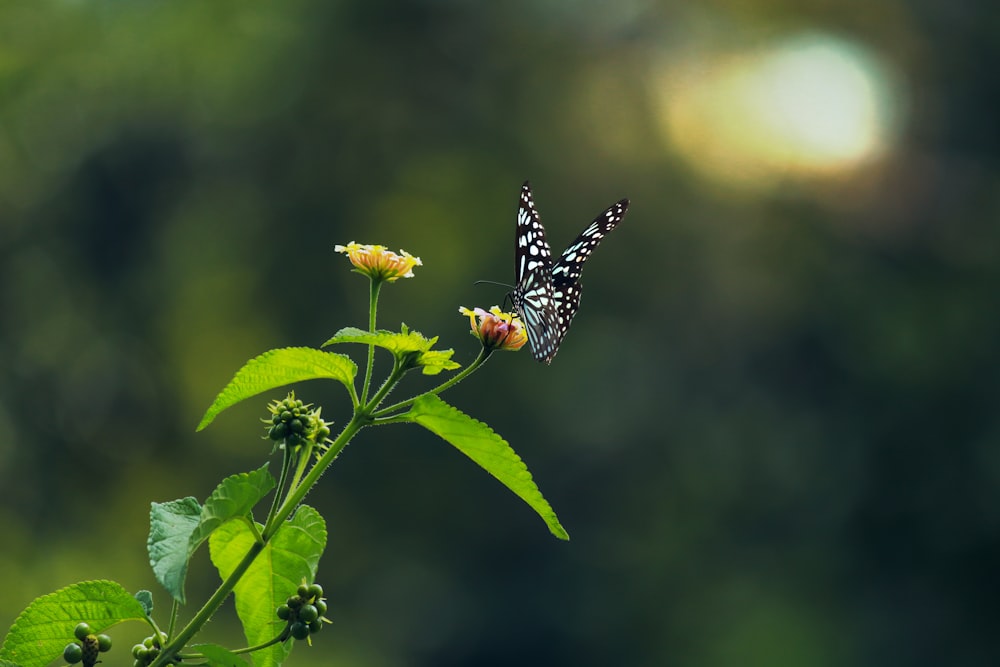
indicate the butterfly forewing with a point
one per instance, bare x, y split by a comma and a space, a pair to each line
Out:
532, 295
570, 265
546, 296
566, 289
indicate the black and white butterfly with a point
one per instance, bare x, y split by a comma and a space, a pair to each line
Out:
546, 296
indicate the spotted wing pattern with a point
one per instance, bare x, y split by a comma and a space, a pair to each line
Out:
532, 294
566, 273
546, 296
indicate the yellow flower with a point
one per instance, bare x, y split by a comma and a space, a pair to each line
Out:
378, 262
496, 329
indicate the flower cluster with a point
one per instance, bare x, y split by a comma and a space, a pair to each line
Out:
496, 329
378, 262
295, 423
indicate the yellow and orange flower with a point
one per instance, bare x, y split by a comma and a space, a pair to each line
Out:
496, 329
378, 262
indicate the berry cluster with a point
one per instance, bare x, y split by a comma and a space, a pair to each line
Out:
87, 648
148, 650
296, 423
305, 611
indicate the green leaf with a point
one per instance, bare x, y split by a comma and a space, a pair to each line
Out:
234, 497
42, 631
219, 656
411, 348
170, 527
4, 663
277, 368
178, 528
433, 362
145, 598
481, 444
288, 559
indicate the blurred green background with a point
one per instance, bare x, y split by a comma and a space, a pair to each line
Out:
772, 432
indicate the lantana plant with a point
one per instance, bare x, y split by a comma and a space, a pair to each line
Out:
270, 565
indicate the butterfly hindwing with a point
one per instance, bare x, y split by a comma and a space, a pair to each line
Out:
546, 296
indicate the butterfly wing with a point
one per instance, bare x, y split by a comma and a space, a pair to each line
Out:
532, 295
566, 289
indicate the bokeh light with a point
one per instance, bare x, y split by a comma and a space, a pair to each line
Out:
810, 105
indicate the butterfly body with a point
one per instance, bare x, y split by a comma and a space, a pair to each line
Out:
546, 295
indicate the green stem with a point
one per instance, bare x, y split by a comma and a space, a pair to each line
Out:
246, 649
376, 285
167, 654
172, 624
295, 497
271, 642
286, 465
305, 455
484, 354
395, 376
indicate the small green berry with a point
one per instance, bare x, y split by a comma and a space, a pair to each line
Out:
303, 592
299, 630
286, 416
320, 607
73, 653
315, 591
308, 613
103, 643
137, 650
315, 626
284, 612
297, 426
82, 630
148, 642
294, 602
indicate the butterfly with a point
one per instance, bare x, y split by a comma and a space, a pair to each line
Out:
546, 296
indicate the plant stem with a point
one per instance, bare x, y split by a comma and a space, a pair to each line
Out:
209, 608
386, 387
169, 651
295, 497
305, 454
484, 354
286, 465
174, 608
376, 285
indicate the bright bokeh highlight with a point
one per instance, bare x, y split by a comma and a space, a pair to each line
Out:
809, 106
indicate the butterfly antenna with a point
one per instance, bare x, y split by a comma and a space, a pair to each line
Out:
507, 297
492, 282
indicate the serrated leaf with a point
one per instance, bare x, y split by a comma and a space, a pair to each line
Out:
235, 496
289, 558
481, 444
277, 368
218, 656
178, 528
433, 362
41, 632
145, 598
170, 527
410, 347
